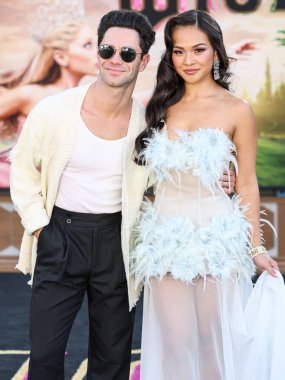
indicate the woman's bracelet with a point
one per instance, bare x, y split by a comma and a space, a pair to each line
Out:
253, 252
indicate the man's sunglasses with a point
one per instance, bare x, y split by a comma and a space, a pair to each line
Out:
127, 54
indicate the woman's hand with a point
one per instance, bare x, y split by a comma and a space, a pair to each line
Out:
264, 262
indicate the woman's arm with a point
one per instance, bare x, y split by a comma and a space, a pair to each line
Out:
15, 101
245, 139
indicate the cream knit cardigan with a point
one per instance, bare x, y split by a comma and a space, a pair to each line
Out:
39, 158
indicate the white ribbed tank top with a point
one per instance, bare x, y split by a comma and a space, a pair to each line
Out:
92, 180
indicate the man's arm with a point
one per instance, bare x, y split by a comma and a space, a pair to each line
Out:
25, 183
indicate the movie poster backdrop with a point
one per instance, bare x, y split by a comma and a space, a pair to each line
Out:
254, 34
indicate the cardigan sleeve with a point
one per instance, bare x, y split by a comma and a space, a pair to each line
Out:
25, 183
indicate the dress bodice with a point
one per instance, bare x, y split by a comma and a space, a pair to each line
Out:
204, 153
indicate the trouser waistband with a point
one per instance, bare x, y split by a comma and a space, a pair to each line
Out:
81, 217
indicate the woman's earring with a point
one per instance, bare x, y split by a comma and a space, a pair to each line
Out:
216, 68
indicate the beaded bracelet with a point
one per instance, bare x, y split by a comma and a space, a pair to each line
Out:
253, 252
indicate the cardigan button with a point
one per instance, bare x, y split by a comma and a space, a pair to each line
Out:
68, 221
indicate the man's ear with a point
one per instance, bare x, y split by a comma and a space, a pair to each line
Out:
60, 58
144, 62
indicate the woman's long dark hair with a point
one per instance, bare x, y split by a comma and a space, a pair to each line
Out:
170, 87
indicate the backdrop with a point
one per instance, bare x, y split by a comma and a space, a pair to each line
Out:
254, 34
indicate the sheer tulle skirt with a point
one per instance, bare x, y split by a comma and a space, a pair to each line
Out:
210, 330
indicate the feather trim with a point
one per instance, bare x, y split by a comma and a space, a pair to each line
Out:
207, 152
175, 245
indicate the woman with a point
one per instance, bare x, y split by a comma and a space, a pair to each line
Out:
65, 56
196, 248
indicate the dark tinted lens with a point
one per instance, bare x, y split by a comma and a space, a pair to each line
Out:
128, 54
106, 51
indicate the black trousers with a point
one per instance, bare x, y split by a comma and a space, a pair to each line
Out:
79, 253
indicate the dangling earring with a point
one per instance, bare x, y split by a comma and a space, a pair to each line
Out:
216, 68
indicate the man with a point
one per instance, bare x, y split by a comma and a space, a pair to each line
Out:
74, 183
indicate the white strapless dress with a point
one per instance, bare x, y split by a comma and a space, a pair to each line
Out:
202, 318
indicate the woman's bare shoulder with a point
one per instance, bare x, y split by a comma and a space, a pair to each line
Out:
238, 104
242, 115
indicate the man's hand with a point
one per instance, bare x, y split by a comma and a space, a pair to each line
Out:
37, 233
227, 186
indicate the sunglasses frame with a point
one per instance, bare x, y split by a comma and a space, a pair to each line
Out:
121, 52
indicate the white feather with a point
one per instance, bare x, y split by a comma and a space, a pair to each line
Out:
208, 152
175, 245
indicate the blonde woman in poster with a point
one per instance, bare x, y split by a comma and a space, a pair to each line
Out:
66, 54
197, 248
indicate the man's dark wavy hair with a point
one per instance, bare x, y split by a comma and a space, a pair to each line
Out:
128, 19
